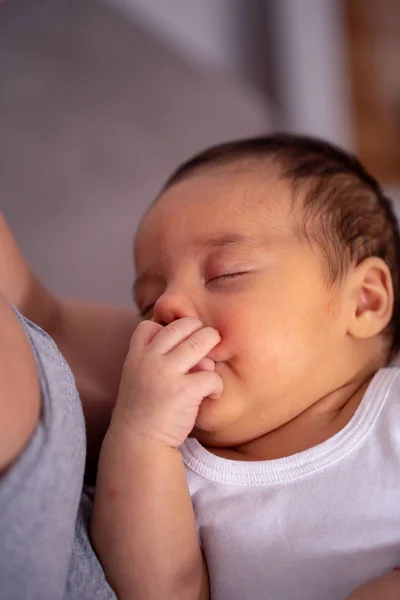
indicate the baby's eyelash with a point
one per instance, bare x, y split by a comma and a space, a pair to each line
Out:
227, 276
149, 307
146, 309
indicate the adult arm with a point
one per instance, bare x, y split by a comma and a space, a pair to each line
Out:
19, 388
386, 587
93, 338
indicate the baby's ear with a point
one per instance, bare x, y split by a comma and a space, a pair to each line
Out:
372, 298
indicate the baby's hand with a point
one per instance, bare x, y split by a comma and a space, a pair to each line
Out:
386, 587
166, 377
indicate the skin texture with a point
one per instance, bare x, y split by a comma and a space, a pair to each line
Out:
223, 277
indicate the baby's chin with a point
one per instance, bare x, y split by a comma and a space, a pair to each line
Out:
210, 417
214, 423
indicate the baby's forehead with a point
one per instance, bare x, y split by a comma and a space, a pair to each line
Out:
224, 191
215, 211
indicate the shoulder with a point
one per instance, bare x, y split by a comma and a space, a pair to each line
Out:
19, 387
389, 380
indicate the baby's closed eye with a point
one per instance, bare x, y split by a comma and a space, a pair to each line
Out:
223, 276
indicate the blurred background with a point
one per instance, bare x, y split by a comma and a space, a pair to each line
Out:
100, 100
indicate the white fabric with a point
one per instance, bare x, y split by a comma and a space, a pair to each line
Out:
312, 526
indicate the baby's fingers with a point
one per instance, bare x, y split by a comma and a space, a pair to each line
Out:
144, 333
190, 352
207, 384
174, 333
205, 364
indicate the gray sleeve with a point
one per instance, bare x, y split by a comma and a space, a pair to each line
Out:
86, 573
45, 553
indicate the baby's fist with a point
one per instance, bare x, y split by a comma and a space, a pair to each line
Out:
167, 374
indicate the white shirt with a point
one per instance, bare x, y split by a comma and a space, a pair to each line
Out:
312, 526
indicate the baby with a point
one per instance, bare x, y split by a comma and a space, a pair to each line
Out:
254, 451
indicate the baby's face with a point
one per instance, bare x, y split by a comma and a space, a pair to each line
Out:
221, 247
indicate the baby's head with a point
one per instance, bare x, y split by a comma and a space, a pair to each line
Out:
288, 248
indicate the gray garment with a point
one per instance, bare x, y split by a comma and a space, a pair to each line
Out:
45, 552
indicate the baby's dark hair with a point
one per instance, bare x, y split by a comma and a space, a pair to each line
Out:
344, 211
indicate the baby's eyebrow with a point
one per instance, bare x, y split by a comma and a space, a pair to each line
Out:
224, 240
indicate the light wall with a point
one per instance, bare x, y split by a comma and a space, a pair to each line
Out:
203, 30
296, 50
311, 67
95, 113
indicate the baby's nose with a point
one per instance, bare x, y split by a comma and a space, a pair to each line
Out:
172, 306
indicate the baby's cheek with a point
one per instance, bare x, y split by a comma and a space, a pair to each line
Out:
228, 331
236, 336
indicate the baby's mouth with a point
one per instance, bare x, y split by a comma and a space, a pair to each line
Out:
219, 364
